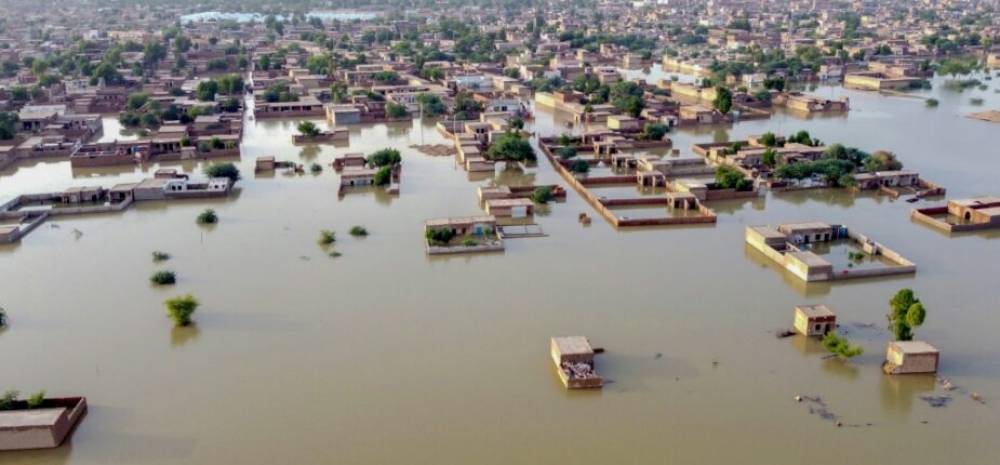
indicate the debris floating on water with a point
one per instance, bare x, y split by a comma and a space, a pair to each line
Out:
936, 401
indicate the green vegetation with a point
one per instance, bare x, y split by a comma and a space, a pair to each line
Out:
315, 168
882, 160
8, 125
727, 177
542, 195
469, 242
431, 104
723, 100
510, 147
770, 158
566, 152
180, 309
768, 139
208, 217
654, 131
327, 237
280, 93
160, 256
440, 236
163, 278
383, 177
840, 346
3, 317
36, 400
931, 102
976, 101
627, 97
906, 314
308, 129
384, 157
8, 399
395, 110
223, 170
358, 231
580, 167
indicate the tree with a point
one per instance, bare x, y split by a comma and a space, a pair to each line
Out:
542, 195
841, 347
308, 129
580, 166
431, 104
136, 100
223, 170
8, 125
439, 236
180, 309
358, 231
207, 217
770, 158
206, 90
727, 177
327, 237
384, 157
510, 146
395, 110
768, 139
906, 313
883, 160
723, 100
383, 177
654, 131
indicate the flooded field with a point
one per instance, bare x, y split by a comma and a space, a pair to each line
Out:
385, 355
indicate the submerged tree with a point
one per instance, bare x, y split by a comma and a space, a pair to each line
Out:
840, 346
308, 128
907, 313
180, 309
208, 217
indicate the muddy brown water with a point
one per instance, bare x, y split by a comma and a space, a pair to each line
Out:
384, 355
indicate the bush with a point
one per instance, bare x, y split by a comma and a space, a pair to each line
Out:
567, 152
163, 278
841, 347
932, 102
180, 309
327, 237
308, 129
385, 157
204, 147
654, 131
440, 236
580, 166
727, 177
511, 147
395, 110
315, 168
36, 400
160, 256
223, 170
7, 400
542, 195
358, 231
469, 242
383, 177
208, 217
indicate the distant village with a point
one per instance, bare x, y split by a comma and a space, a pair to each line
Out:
125, 84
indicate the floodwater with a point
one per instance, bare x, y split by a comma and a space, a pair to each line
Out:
384, 355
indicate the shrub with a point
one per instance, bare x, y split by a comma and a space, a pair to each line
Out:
327, 237
728, 177
542, 195
308, 129
358, 231
163, 278
36, 400
395, 110
510, 146
384, 157
841, 347
7, 400
383, 176
769, 139
180, 309
580, 166
204, 147
931, 102
223, 170
208, 217
440, 236
567, 152
315, 168
160, 256
469, 242
3, 317
654, 131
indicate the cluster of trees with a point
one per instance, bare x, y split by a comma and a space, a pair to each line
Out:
727, 177
396, 110
431, 104
510, 146
466, 107
280, 93
8, 125
440, 236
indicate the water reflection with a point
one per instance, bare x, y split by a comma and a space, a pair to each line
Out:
182, 335
898, 392
841, 368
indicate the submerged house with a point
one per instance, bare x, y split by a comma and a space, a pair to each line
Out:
962, 214
910, 357
814, 320
574, 359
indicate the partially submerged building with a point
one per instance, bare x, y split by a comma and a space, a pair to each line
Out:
962, 214
40, 428
910, 357
814, 320
790, 246
574, 359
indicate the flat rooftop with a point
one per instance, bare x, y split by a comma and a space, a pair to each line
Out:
573, 345
915, 347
